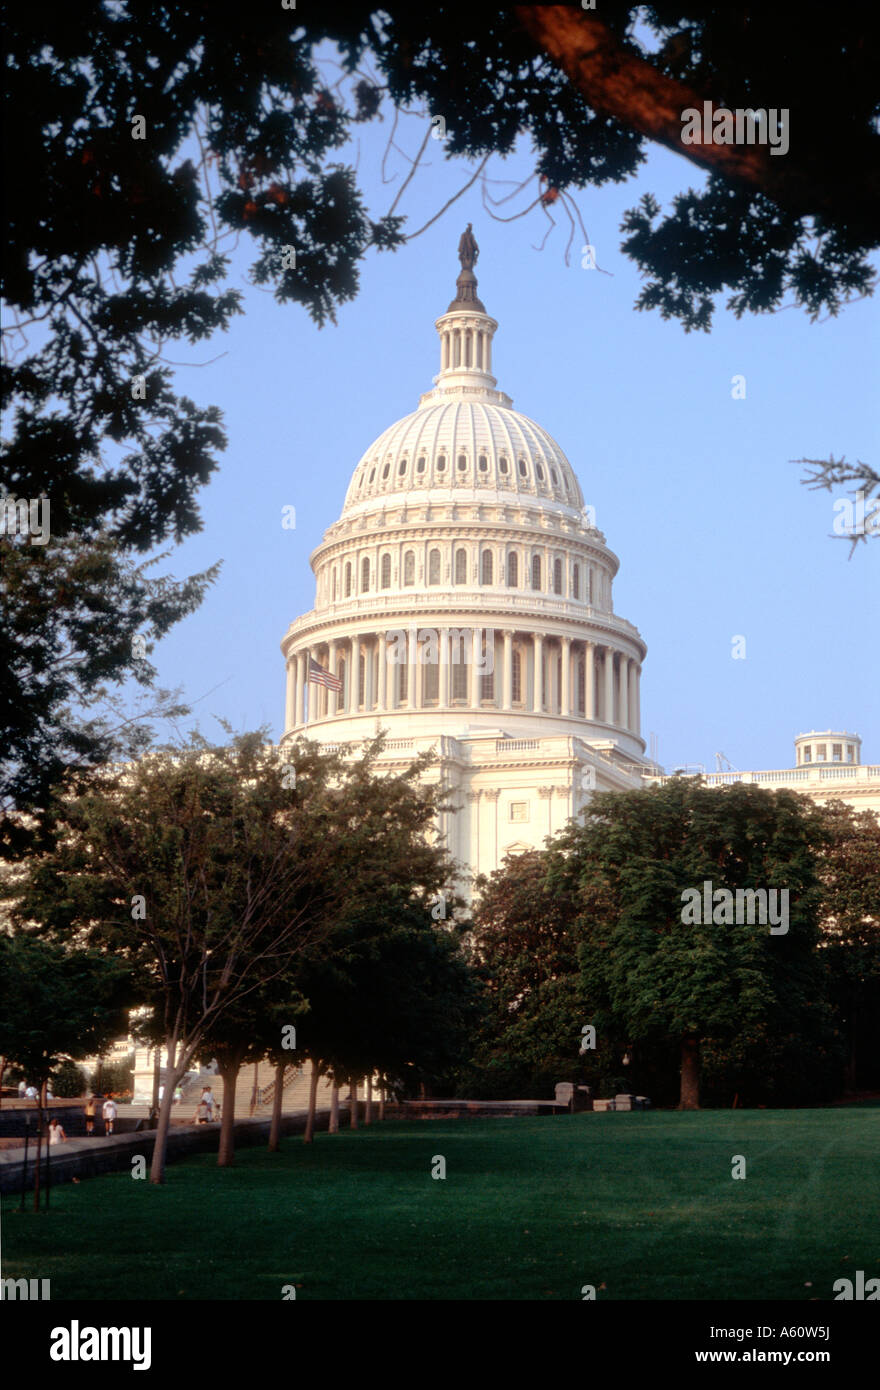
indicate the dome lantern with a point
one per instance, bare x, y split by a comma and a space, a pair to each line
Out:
466, 330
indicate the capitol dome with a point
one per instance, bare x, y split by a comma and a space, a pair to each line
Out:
464, 601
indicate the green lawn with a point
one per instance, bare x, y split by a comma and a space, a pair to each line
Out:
643, 1204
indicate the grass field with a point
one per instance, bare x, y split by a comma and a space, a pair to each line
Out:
642, 1204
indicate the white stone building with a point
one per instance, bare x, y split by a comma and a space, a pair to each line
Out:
464, 601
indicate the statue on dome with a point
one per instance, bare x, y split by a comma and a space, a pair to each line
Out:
468, 250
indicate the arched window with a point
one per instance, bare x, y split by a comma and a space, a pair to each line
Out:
582, 686
557, 576
516, 676
402, 678
386, 470
372, 474
536, 571
540, 472
434, 567
334, 583
386, 571
486, 567
513, 570
462, 463
502, 465
441, 463
347, 578
483, 464
589, 593
409, 568
555, 476
401, 468
362, 681
461, 566
365, 574
522, 468
420, 466
576, 581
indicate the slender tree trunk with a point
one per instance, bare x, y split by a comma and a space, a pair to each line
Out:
333, 1127
40, 1099
157, 1167
157, 1068
275, 1127
354, 1103
255, 1090
313, 1101
690, 1073
368, 1108
229, 1070
850, 1071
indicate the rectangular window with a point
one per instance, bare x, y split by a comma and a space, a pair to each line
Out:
519, 810
837, 752
821, 752
808, 755
849, 752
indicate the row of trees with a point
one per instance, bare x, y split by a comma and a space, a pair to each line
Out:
244, 896
590, 932
265, 904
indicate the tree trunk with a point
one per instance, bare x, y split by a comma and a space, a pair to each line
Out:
354, 1103
368, 1108
690, 1073
275, 1127
382, 1101
850, 1070
229, 1069
157, 1167
333, 1127
154, 1103
313, 1101
255, 1089
40, 1098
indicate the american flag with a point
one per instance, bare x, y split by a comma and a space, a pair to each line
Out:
321, 676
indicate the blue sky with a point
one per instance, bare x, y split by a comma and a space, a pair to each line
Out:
695, 491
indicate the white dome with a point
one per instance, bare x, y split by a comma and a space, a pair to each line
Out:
464, 445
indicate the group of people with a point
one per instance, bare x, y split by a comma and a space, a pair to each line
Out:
205, 1111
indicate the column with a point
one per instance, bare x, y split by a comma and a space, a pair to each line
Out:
565, 693
476, 661
507, 673
638, 723
354, 677
369, 692
300, 688
589, 680
609, 685
623, 705
290, 695
633, 696
444, 673
538, 688
412, 690
383, 671
332, 695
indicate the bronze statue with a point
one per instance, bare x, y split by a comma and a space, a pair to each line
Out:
468, 250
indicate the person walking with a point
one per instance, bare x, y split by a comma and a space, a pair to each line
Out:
109, 1112
22, 1087
56, 1133
208, 1101
90, 1115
